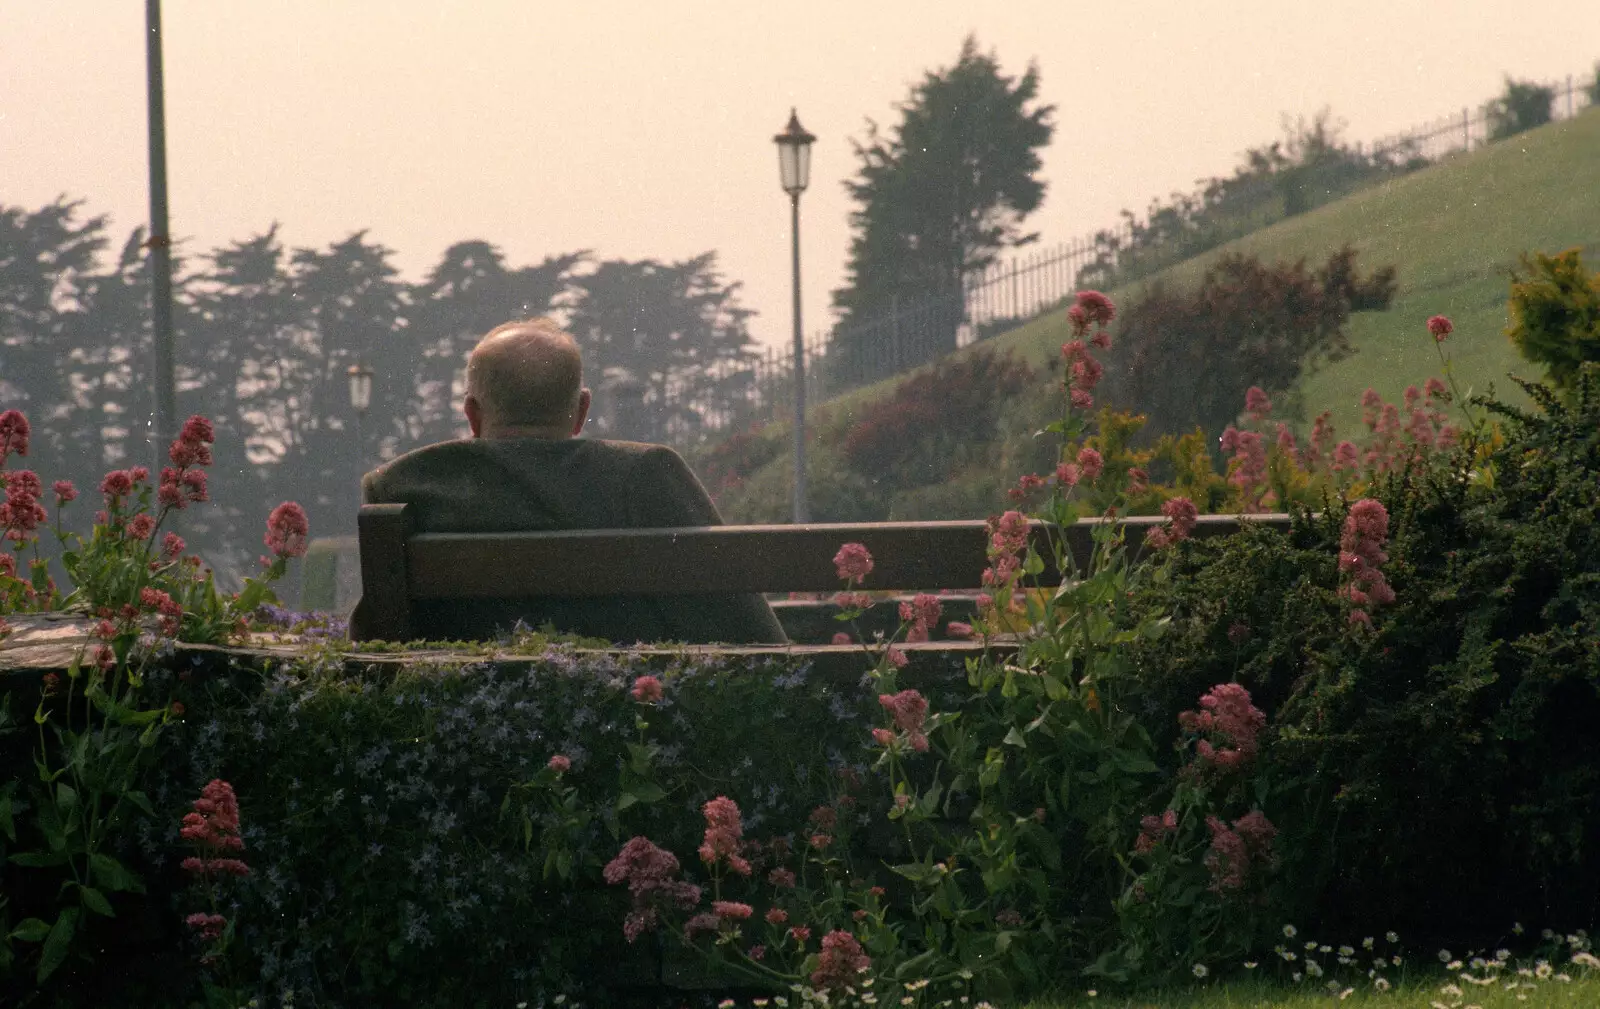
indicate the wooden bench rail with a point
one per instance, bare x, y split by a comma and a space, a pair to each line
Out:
397, 567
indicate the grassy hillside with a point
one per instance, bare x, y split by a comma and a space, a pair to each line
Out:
1454, 231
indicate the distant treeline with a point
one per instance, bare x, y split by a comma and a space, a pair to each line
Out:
266, 334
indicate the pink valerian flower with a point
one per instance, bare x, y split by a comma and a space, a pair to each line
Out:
65, 491
171, 546
820, 841
883, 737
852, 600
287, 529
20, 512
922, 613
1068, 474
116, 485
1235, 853
1322, 436
1027, 483
757, 952
1098, 310
853, 562
824, 818
52, 681
1411, 397
799, 933
1090, 463
214, 824
897, 657
192, 447
1182, 517
1420, 429
1248, 470
1155, 829
842, 638
207, 867
1101, 340
781, 878
207, 926
1074, 351
1346, 457
649, 872
729, 910
647, 690
723, 833
705, 922
958, 629
1086, 373
1361, 557
14, 434
141, 526
1256, 403
1232, 724
1440, 327
1080, 399
560, 763
1138, 480
909, 709
1434, 388
1286, 442
840, 962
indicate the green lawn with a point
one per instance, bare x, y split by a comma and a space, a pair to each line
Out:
1454, 231
1578, 992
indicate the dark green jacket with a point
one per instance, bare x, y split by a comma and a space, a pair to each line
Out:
533, 484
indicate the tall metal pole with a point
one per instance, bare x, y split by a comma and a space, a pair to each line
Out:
801, 513
160, 243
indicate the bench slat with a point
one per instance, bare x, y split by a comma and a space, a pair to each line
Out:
781, 558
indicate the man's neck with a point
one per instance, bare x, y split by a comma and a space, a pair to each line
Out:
499, 433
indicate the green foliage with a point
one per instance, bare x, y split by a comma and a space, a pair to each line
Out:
1521, 107
936, 420
1185, 359
1311, 166
1555, 314
1439, 768
945, 190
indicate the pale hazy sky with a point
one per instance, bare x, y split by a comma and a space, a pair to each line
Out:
644, 128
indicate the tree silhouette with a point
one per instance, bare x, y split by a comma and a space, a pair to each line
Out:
940, 195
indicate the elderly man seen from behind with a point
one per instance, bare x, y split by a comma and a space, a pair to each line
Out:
525, 468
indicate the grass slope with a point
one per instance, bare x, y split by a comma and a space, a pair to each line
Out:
1454, 231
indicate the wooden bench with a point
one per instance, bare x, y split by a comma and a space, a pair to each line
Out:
399, 566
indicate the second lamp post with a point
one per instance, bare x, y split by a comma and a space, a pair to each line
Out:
794, 171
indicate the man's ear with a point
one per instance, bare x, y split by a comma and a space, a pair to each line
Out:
585, 398
474, 414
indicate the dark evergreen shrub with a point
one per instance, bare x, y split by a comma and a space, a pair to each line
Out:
1439, 772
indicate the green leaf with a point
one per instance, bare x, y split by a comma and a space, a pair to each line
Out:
1014, 738
142, 801
1054, 688
625, 800
30, 930
39, 859
57, 943
96, 901
7, 823
647, 792
112, 875
66, 796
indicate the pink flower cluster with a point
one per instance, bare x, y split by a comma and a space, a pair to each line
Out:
853, 562
1440, 326
1231, 721
723, 835
1008, 539
647, 690
1155, 829
1233, 853
909, 710
184, 483
841, 960
1247, 470
213, 828
1361, 555
922, 613
169, 609
287, 530
21, 512
1090, 310
1181, 515
649, 872
14, 434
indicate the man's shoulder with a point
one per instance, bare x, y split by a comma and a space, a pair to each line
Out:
468, 454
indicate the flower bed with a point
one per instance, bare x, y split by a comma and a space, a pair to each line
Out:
1185, 749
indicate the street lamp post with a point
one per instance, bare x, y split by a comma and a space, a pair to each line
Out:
360, 398
159, 242
794, 171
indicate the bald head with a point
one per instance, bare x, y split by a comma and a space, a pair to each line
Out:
525, 379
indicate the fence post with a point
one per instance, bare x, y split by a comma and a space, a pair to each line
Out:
1466, 129
1569, 96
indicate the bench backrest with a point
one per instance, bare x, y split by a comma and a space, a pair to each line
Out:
399, 566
